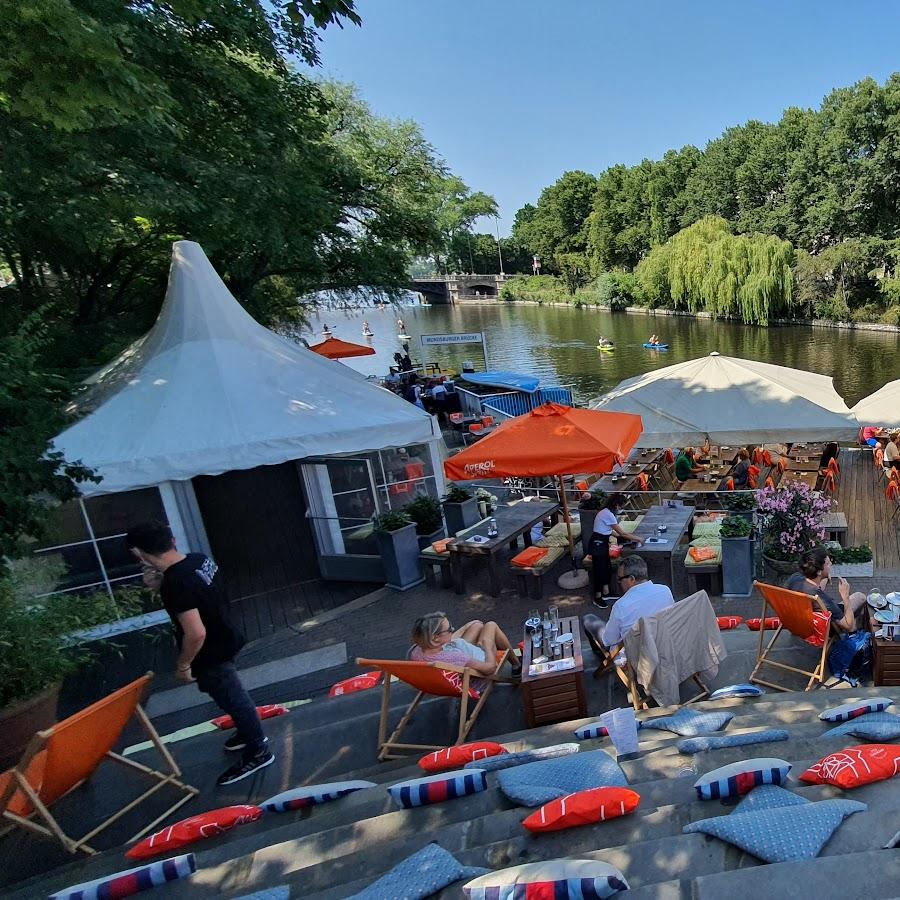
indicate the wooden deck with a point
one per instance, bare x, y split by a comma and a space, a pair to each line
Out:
869, 514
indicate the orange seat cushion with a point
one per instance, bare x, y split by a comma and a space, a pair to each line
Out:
855, 766
583, 808
699, 554
529, 556
441, 546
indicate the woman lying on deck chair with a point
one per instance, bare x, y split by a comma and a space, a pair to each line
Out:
814, 578
474, 646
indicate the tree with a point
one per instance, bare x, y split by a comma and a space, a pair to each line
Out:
619, 225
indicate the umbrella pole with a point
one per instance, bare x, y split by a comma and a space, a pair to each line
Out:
565, 506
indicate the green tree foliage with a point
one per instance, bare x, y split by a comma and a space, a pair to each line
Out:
707, 268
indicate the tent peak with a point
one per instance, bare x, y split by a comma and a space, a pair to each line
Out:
715, 353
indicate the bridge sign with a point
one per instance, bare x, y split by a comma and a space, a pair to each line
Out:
431, 340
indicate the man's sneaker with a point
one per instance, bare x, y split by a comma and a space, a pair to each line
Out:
601, 602
236, 742
246, 768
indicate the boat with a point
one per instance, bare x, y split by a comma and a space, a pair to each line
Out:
656, 346
512, 380
368, 334
606, 348
403, 337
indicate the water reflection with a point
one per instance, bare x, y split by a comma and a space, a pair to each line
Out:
559, 344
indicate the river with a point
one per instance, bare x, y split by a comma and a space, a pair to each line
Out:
558, 344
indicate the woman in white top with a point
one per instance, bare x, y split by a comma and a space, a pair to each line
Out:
892, 451
605, 523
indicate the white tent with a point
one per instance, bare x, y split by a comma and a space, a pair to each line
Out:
880, 408
209, 390
732, 401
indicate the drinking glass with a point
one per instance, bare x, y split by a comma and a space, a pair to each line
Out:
554, 622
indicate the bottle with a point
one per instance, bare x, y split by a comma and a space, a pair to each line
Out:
546, 627
492, 527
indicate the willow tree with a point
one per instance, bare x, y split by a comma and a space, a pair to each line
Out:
707, 268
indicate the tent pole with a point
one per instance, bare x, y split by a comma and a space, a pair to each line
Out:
565, 506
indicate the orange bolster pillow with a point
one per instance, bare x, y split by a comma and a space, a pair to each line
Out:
529, 557
264, 712
726, 623
356, 683
699, 554
772, 622
583, 808
441, 546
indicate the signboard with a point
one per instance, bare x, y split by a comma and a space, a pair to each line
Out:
431, 340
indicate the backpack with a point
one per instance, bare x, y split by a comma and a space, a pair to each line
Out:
850, 658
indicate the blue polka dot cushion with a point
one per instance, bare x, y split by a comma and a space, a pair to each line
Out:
689, 723
595, 730
312, 795
737, 690
855, 708
717, 741
555, 879
777, 826
508, 760
426, 872
538, 783
876, 726
437, 788
741, 777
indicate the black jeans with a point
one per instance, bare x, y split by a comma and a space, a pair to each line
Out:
224, 686
601, 567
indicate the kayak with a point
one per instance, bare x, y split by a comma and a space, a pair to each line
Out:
368, 334
656, 346
403, 337
527, 383
606, 348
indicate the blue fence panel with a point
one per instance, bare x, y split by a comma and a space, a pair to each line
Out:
555, 395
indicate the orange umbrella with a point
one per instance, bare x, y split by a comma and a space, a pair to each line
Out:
550, 440
335, 348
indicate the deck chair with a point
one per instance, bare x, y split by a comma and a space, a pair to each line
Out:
794, 610
435, 680
593, 627
58, 760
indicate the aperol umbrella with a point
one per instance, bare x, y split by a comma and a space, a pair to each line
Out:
552, 439
335, 348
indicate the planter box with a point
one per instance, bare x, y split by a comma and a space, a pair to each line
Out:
737, 566
854, 570
460, 516
426, 540
399, 552
20, 722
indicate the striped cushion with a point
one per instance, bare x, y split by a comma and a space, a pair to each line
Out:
508, 760
737, 690
437, 788
595, 730
854, 708
131, 881
741, 777
559, 879
312, 795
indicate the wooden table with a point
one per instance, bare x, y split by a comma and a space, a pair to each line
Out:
808, 478
513, 522
886, 655
835, 526
812, 451
660, 557
799, 465
556, 696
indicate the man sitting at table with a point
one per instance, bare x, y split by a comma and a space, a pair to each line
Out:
685, 468
641, 598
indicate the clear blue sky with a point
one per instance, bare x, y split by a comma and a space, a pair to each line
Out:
512, 93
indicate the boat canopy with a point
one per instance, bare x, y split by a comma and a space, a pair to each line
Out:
510, 380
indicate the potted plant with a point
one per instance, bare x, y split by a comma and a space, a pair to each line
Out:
737, 556
853, 562
740, 503
591, 502
460, 509
395, 534
791, 519
426, 514
487, 502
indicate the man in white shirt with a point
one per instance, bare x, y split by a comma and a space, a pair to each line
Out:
641, 598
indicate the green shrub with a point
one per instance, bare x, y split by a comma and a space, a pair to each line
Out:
392, 520
457, 494
426, 513
739, 500
734, 527
861, 554
617, 290
890, 316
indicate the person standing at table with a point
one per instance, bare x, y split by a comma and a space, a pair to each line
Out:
892, 451
605, 524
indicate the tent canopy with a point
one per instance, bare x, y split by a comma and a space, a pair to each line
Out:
208, 390
880, 408
550, 440
335, 348
731, 401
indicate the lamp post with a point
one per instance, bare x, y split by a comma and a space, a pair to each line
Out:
499, 251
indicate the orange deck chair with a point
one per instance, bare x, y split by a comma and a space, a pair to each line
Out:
795, 612
58, 760
435, 680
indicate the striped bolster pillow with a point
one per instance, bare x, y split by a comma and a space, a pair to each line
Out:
437, 788
741, 777
131, 881
312, 795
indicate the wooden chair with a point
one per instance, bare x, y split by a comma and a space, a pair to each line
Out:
435, 680
794, 610
58, 760
593, 628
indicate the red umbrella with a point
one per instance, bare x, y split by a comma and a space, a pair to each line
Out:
335, 348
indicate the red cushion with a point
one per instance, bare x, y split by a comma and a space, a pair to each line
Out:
357, 683
196, 828
529, 556
772, 622
821, 621
457, 757
726, 623
264, 712
584, 808
855, 766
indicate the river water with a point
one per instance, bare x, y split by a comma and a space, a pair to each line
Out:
558, 344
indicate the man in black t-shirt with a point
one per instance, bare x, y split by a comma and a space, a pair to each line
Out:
193, 596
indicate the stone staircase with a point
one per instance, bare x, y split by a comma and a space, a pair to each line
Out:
334, 850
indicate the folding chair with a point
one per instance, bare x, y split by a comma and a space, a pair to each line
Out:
794, 610
892, 493
435, 680
593, 628
58, 760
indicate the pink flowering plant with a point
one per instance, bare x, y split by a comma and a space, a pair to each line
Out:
791, 517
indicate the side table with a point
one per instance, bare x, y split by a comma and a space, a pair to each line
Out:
555, 696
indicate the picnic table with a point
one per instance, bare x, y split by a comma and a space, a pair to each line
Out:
794, 464
808, 478
660, 556
513, 522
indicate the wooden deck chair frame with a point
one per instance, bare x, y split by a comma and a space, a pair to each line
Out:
389, 745
640, 699
794, 610
40, 820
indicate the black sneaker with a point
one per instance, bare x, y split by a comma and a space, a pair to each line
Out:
246, 768
601, 602
236, 742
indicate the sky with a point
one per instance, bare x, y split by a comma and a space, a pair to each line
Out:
512, 93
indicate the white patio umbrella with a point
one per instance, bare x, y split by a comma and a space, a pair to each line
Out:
880, 408
732, 401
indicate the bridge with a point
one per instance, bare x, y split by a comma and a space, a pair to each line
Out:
458, 288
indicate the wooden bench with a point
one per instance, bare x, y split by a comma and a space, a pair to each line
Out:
705, 578
433, 563
530, 581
